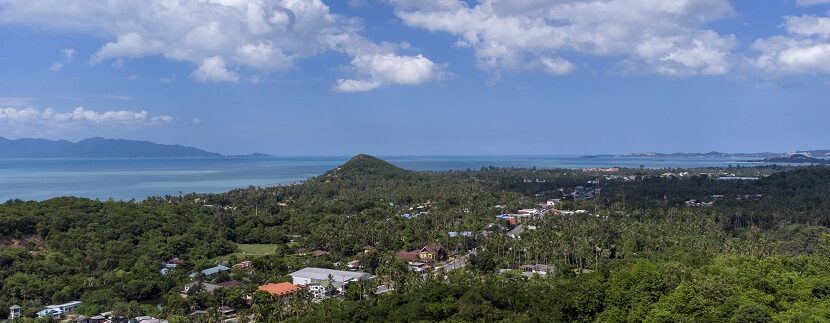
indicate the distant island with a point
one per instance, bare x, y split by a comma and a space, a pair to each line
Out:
709, 154
796, 159
98, 148
767, 156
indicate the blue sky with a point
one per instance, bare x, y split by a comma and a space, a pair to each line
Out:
305, 77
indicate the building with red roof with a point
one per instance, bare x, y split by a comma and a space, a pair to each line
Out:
283, 290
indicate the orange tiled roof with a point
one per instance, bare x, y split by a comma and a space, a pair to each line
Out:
280, 289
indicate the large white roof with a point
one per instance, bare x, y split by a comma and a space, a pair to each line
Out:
323, 274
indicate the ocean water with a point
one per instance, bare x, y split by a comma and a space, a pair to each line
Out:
124, 179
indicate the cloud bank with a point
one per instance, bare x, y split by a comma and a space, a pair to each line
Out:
80, 116
224, 38
663, 36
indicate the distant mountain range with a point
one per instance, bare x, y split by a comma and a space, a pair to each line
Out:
96, 148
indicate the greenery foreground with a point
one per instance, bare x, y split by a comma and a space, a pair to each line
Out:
743, 251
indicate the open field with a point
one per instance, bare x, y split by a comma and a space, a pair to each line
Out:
250, 251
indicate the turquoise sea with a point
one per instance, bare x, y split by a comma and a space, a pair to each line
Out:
124, 179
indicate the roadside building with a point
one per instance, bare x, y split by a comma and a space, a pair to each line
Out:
432, 253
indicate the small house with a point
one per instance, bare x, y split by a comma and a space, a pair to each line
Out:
243, 265
431, 253
211, 271
14, 312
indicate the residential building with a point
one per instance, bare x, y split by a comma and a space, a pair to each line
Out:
282, 290
14, 312
339, 278
230, 283
454, 234
211, 271
408, 256
243, 265
322, 289
170, 264
530, 270
383, 289
432, 253
417, 266
56, 311
516, 232
204, 287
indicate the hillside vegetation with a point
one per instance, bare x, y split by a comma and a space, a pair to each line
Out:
759, 252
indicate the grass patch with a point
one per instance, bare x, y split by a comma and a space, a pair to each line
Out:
257, 249
249, 251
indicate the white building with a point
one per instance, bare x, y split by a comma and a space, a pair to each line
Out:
14, 312
56, 311
339, 278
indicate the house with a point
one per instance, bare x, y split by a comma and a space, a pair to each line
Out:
14, 312
281, 290
319, 253
211, 271
528, 211
368, 249
339, 278
417, 266
149, 319
465, 234
243, 265
56, 311
322, 289
230, 283
353, 264
204, 287
383, 289
48, 313
226, 310
170, 264
516, 232
432, 253
408, 256
530, 270
173, 263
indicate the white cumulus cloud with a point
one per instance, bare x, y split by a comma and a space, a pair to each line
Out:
805, 48
222, 38
379, 69
214, 69
662, 36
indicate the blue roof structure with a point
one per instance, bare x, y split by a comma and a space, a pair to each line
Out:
211, 271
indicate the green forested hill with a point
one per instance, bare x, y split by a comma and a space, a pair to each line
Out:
759, 252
